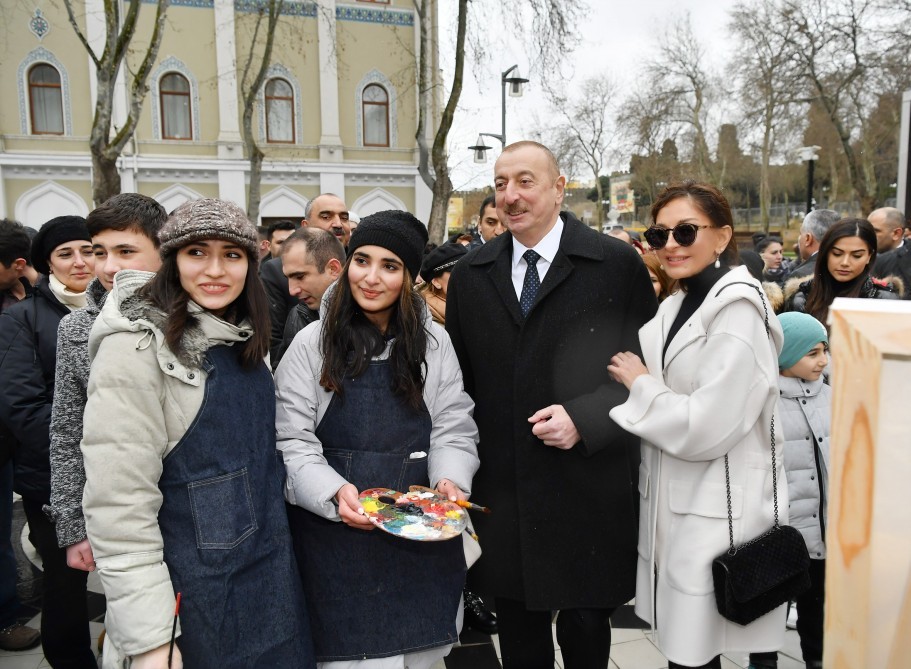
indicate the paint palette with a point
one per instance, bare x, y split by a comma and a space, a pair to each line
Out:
421, 514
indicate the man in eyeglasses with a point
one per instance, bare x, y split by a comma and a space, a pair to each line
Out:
535, 316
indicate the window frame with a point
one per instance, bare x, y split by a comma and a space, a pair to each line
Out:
290, 100
31, 98
385, 104
188, 94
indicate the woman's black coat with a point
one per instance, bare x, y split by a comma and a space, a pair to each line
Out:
28, 351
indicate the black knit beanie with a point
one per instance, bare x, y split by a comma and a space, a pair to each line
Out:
398, 231
441, 259
52, 234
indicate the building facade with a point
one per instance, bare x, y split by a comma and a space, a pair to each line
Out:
338, 110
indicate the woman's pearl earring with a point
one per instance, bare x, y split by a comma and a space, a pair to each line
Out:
717, 261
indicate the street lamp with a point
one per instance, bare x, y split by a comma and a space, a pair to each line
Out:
808, 153
514, 84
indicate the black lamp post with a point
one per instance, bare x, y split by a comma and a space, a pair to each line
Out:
808, 153
514, 83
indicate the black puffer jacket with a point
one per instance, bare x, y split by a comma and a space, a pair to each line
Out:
28, 352
797, 291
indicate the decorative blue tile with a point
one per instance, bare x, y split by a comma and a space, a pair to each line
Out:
364, 15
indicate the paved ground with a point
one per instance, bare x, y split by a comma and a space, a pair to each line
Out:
631, 644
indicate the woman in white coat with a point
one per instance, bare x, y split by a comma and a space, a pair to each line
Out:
708, 388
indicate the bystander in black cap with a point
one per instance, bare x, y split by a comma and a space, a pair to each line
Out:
441, 259
52, 234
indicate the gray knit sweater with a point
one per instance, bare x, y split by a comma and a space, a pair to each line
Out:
72, 378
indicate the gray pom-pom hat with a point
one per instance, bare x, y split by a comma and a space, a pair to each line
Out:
206, 218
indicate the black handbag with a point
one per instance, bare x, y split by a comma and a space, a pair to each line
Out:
760, 575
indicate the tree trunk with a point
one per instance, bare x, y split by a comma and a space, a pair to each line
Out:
599, 205
105, 178
436, 226
442, 185
255, 186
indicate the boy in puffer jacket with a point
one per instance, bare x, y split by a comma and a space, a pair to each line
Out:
805, 411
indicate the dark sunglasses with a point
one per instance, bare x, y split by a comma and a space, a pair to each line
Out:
684, 234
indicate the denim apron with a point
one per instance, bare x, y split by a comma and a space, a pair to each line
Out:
371, 594
225, 530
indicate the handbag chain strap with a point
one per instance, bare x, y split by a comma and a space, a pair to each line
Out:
727, 471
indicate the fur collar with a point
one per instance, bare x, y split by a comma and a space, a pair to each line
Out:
193, 342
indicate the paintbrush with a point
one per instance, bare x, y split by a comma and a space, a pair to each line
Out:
173, 630
465, 504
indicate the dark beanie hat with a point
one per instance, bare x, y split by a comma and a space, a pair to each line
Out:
195, 220
52, 234
398, 231
441, 259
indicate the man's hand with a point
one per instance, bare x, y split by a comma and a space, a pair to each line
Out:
79, 556
157, 658
451, 490
554, 427
350, 509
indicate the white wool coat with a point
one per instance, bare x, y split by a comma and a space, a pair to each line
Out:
714, 395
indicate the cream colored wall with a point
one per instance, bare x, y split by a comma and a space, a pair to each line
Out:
16, 188
17, 41
190, 37
389, 49
296, 48
406, 195
152, 188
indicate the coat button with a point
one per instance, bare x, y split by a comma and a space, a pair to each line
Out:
804, 401
191, 375
807, 437
819, 555
812, 478
170, 366
820, 439
244, 334
814, 515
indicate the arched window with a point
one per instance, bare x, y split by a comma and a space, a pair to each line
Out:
279, 111
45, 100
176, 113
375, 102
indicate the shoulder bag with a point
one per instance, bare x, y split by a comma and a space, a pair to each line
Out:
762, 574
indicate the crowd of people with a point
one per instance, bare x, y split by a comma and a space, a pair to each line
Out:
192, 405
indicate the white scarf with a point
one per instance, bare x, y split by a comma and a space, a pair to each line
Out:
68, 298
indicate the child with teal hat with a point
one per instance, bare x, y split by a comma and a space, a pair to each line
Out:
805, 413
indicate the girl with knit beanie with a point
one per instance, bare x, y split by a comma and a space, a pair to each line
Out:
183, 489
805, 415
62, 253
368, 396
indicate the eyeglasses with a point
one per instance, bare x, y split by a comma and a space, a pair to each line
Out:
684, 234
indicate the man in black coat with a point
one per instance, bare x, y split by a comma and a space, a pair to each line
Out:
534, 335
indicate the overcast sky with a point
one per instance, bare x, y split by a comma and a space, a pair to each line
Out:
615, 36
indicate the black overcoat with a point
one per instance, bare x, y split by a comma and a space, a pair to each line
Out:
563, 530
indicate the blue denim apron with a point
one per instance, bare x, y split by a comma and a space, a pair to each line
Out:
226, 538
371, 594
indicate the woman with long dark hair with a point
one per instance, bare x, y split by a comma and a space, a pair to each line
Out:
846, 257
371, 396
703, 402
183, 483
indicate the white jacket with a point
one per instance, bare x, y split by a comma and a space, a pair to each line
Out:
716, 394
141, 401
301, 403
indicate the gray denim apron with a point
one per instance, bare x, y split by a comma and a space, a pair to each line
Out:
370, 594
226, 538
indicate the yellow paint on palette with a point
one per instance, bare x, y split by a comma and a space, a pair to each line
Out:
370, 506
455, 515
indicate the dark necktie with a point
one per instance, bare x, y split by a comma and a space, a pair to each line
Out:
532, 282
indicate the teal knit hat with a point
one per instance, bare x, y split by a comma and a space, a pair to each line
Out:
801, 333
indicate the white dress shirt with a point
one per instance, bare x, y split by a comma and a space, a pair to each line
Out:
547, 248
